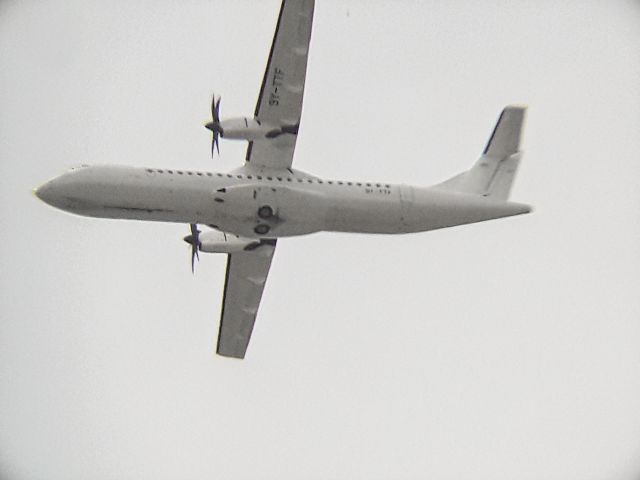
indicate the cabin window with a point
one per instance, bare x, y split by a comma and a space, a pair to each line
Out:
288, 179
310, 181
249, 177
219, 174
330, 182
269, 178
259, 177
149, 170
339, 183
279, 179
199, 174
319, 181
349, 183
387, 186
378, 185
239, 176
189, 173
209, 174
229, 175
300, 180
160, 171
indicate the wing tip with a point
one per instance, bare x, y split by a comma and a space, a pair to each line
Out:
235, 355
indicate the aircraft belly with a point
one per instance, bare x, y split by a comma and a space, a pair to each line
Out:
365, 211
156, 202
432, 209
135, 194
257, 210
266, 210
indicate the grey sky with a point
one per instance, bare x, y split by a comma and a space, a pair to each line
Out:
502, 350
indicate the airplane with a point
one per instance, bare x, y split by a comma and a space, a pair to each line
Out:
249, 208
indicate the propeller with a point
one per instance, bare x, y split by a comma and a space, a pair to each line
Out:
214, 124
194, 241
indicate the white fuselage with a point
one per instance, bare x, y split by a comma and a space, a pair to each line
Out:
231, 202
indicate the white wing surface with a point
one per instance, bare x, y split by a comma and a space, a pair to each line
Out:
246, 275
280, 98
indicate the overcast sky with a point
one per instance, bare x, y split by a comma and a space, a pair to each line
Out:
508, 349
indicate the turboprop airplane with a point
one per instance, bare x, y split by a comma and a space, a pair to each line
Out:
249, 208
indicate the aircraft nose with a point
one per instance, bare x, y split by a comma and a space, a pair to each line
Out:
49, 193
43, 192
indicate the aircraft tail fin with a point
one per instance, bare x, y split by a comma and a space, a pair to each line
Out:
494, 172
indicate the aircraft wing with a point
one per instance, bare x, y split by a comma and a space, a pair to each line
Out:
280, 98
246, 275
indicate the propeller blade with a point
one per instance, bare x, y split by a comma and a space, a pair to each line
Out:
216, 110
214, 143
214, 124
194, 241
214, 113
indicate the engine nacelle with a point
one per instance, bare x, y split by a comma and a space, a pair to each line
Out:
251, 129
243, 129
220, 242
